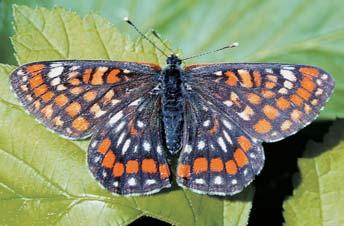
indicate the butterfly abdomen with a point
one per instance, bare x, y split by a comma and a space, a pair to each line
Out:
172, 108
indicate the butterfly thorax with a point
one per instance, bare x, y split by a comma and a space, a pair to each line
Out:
172, 103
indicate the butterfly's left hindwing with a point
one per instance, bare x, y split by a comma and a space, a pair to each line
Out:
73, 97
268, 101
127, 155
218, 157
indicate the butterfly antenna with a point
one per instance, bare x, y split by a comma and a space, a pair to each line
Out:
157, 35
235, 44
126, 19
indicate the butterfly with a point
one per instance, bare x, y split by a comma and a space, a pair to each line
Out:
215, 116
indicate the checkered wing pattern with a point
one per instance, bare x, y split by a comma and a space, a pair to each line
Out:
126, 155
218, 157
267, 101
73, 97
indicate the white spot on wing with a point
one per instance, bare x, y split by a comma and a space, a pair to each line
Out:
135, 103
140, 124
55, 72
200, 181
132, 181
269, 70
159, 149
126, 146
55, 81
206, 123
222, 144
228, 103
20, 72
120, 126
120, 138
283, 91
218, 180
227, 137
61, 87
188, 148
218, 73
234, 182
201, 145
227, 124
115, 118
126, 71
150, 181
146, 146
288, 75
287, 84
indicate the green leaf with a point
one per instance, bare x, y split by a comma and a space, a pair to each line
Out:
303, 32
318, 198
44, 179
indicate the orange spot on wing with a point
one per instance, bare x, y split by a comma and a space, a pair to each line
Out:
108, 96
309, 71
90, 95
35, 68
262, 126
268, 93
232, 79
80, 124
76, 90
164, 171
86, 75
215, 128
296, 100
257, 78
303, 93
183, 170
36, 81
48, 111
74, 81
308, 84
296, 115
97, 77
40, 90
246, 78
270, 112
200, 165
253, 98
113, 76
231, 167
104, 146
286, 125
244, 143
118, 169
47, 96
133, 130
132, 166
216, 165
73, 109
61, 100
240, 157
149, 166
270, 85
109, 160
282, 103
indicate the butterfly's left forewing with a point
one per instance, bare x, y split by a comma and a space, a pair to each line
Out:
267, 101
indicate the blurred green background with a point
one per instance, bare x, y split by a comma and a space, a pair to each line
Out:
302, 32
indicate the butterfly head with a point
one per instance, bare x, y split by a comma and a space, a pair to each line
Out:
173, 60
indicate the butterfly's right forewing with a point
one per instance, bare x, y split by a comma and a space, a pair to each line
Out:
73, 97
